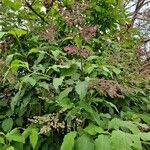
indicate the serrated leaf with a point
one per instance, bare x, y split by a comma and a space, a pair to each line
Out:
81, 89
84, 143
57, 82
68, 142
103, 142
7, 124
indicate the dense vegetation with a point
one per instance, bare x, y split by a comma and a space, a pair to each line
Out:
73, 77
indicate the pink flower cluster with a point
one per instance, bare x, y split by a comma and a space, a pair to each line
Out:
74, 50
88, 32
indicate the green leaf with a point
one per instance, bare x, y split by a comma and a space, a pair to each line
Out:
103, 142
15, 135
2, 34
84, 143
81, 89
40, 58
120, 141
65, 71
44, 85
68, 142
17, 32
105, 69
72, 113
136, 143
145, 117
66, 103
145, 136
92, 114
64, 93
33, 50
33, 137
93, 129
78, 41
10, 148
16, 99
57, 82
117, 123
2, 141
28, 79
116, 71
7, 124
18, 63
112, 105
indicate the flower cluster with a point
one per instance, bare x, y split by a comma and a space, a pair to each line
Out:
48, 122
75, 15
107, 87
55, 121
48, 33
88, 32
74, 50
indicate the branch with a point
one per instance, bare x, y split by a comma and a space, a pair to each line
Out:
34, 11
48, 5
139, 5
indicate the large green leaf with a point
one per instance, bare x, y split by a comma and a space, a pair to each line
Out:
81, 89
120, 141
103, 142
68, 142
84, 143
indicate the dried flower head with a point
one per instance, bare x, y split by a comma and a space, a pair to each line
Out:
107, 87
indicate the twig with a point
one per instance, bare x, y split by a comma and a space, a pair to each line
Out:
34, 11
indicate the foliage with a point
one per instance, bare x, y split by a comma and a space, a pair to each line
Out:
71, 77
